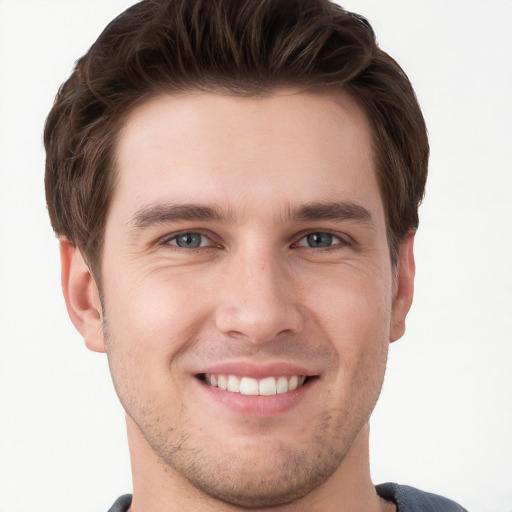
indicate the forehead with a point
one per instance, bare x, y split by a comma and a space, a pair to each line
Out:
206, 148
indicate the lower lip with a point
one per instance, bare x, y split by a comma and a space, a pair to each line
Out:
258, 405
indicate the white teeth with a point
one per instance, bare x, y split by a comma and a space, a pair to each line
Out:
249, 386
233, 384
222, 382
282, 385
268, 386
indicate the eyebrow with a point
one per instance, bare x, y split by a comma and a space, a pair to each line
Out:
339, 211
164, 213
336, 211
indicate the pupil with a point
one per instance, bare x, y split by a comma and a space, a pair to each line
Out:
319, 240
189, 240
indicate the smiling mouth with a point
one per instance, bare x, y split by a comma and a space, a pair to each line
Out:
256, 387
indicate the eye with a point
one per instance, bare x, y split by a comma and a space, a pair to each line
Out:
190, 240
320, 239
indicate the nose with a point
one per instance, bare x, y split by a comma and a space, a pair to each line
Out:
259, 300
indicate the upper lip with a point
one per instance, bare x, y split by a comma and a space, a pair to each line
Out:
255, 370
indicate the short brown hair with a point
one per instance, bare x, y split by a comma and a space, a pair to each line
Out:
238, 47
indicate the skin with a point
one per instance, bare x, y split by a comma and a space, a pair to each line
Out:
255, 293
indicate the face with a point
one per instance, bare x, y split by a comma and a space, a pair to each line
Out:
248, 294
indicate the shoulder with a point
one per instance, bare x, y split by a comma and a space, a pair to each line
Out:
409, 499
122, 504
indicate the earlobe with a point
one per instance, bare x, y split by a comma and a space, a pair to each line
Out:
81, 296
403, 288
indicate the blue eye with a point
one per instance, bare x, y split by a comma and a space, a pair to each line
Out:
189, 240
319, 240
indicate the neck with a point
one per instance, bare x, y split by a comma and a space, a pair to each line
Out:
159, 488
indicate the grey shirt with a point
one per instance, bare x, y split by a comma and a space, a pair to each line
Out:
409, 499
406, 498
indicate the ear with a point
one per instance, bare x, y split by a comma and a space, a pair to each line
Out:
403, 290
82, 296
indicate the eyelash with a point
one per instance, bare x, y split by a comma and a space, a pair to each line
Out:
343, 241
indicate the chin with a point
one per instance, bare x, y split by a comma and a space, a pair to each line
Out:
281, 482
268, 474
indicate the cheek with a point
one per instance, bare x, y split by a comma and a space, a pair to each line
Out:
354, 314
149, 323
353, 304
154, 311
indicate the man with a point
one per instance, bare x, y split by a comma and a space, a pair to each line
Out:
235, 186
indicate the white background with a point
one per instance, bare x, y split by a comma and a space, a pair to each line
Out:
444, 422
